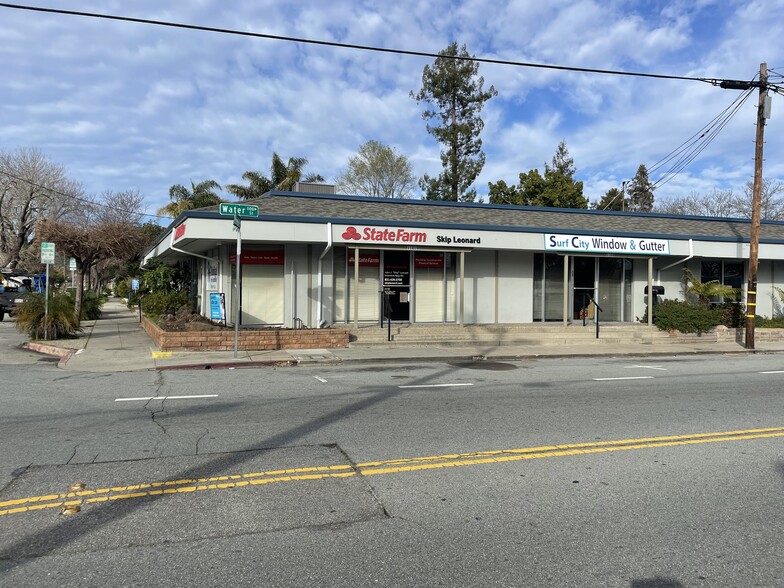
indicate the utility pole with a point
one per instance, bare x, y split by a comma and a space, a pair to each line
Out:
751, 293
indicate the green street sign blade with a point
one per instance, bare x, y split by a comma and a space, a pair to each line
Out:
240, 210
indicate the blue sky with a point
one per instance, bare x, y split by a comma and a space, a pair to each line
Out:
128, 106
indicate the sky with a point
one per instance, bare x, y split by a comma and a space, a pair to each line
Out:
126, 106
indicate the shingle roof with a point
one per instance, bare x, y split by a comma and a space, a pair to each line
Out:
362, 210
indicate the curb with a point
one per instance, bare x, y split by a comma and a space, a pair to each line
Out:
63, 353
225, 365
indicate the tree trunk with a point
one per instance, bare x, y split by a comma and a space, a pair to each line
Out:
79, 292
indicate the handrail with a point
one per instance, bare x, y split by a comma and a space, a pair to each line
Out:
596, 316
386, 311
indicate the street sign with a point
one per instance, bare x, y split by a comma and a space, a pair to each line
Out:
239, 209
134, 284
47, 252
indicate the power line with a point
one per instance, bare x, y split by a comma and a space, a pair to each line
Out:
689, 150
73, 197
208, 29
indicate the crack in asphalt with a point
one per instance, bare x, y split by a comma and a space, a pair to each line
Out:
372, 491
153, 413
202, 436
73, 454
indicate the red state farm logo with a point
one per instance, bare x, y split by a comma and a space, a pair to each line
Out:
351, 234
179, 231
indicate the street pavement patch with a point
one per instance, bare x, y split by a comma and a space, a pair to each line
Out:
176, 499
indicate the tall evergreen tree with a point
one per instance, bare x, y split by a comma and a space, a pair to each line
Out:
557, 188
612, 200
455, 96
640, 191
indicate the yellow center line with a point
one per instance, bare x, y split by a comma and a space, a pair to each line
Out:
189, 485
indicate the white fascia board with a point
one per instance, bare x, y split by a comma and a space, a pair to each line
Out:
222, 229
260, 231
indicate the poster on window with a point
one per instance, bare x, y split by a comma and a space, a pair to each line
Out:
212, 277
218, 306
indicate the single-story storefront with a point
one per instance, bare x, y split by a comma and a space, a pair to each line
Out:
319, 260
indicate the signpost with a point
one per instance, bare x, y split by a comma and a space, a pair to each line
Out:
238, 211
72, 267
47, 257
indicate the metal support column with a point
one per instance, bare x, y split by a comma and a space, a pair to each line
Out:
462, 288
356, 288
650, 291
566, 291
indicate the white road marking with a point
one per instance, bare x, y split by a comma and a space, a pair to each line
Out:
629, 378
166, 397
774, 372
320, 379
647, 367
437, 385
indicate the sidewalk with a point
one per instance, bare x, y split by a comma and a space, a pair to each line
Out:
117, 343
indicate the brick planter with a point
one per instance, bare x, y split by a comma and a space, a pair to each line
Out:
248, 340
726, 334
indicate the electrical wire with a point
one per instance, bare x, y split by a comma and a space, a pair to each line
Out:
685, 153
696, 136
208, 29
702, 142
73, 197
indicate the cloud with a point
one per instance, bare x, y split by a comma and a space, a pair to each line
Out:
125, 105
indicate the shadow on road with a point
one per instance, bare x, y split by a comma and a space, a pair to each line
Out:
656, 582
48, 540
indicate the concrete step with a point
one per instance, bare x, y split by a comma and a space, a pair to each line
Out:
506, 335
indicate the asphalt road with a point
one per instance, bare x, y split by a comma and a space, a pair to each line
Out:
536, 473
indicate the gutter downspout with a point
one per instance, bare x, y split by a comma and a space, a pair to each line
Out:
691, 254
319, 318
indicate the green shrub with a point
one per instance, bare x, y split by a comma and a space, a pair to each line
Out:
677, 315
731, 314
61, 322
91, 305
162, 303
122, 289
769, 323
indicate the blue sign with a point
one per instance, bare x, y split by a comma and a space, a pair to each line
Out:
217, 306
134, 284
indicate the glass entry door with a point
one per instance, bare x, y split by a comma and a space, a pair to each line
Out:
397, 282
614, 281
583, 286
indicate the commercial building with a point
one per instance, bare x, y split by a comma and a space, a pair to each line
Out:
315, 260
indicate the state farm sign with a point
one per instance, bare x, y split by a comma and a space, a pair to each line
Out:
387, 235
354, 234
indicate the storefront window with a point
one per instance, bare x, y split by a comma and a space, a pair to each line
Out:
728, 273
429, 287
369, 284
434, 279
548, 287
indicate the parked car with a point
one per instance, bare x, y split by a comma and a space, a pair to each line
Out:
13, 286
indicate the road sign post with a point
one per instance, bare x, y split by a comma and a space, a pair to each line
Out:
47, 257
238, 211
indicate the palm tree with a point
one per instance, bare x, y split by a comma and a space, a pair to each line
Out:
200, 195
285, 175
704, 291
258, 185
